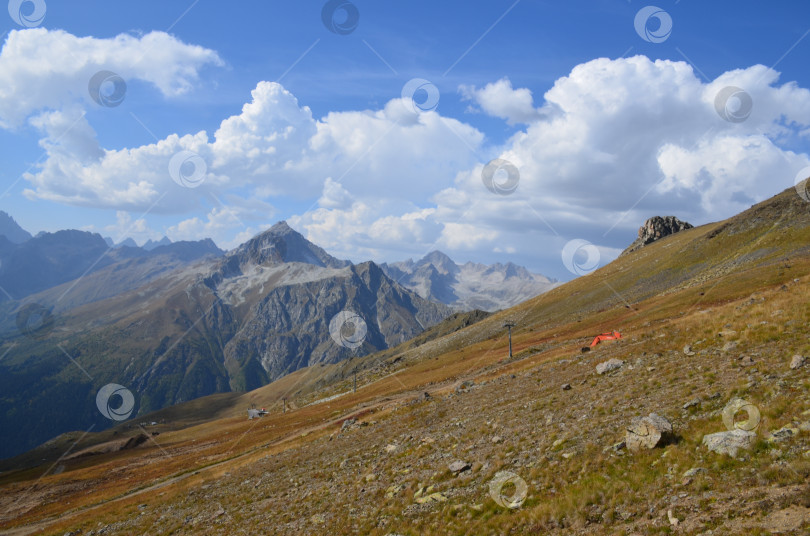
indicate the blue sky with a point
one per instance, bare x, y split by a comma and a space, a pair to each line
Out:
329, 148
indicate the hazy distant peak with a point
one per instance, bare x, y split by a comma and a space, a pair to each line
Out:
11, 230
469, 286
440, 261
152, 244
128, 242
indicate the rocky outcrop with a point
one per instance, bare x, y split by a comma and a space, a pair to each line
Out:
656, 228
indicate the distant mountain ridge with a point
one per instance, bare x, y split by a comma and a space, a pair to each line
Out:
11, 229
150, 244
171, 330
50, 259
471, 285
434, 277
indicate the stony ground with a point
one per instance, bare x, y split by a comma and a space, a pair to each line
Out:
426, 464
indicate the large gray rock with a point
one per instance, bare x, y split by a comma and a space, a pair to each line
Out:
458, 466
648, 432
729, 442
656, 228
609, 365
797, 362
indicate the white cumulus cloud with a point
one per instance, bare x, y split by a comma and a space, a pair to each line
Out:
628, 139
499, 99
47, 69
609, 145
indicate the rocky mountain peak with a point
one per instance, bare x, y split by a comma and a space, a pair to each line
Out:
442, 263
281, 243
127, 242
152, 244
656, 228
281, 228
513, 270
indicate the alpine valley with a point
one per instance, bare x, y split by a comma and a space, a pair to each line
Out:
176, 321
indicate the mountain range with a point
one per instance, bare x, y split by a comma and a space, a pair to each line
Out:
51, 259
695, 421
173, 321
468, 286
179, 321
28, 266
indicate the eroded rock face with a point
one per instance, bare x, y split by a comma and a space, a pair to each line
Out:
656, 228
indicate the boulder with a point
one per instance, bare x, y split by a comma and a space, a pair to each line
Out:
729, 442
648, 432
433, 497
609, 365
347, 424
798, 362
783, 434
458, 466
694, 471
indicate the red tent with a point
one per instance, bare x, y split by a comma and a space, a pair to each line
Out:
606, 337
